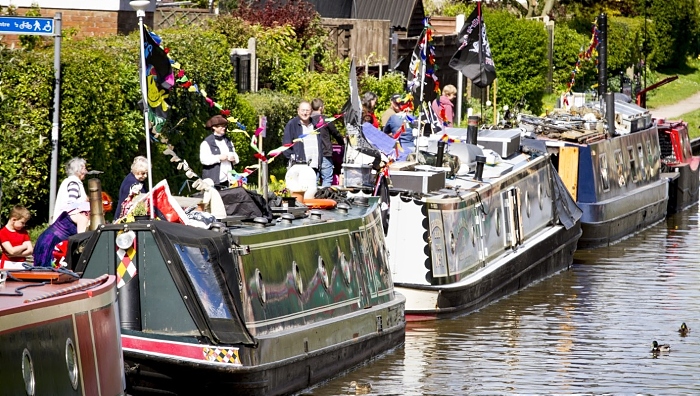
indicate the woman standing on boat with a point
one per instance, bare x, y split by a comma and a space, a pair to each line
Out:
216, 153
133, 183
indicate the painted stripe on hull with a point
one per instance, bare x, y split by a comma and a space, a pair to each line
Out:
170, 349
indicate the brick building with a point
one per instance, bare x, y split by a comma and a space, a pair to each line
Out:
88, 17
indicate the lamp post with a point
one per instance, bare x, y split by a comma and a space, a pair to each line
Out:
140, 7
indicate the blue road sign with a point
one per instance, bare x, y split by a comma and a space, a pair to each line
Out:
27, 25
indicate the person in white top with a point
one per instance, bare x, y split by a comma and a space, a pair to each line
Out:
71, 189
217, 154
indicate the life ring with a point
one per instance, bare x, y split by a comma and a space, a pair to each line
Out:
320, 203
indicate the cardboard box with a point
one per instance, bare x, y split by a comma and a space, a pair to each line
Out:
418, 181
357, 175
505, 142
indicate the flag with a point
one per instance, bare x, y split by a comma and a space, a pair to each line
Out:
473, 58
159, 78
416, 65
352, 111
430, 119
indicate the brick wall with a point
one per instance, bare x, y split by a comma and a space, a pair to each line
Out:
89, 23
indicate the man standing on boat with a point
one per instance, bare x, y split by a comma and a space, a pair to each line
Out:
309, 149
326, 130
217, 154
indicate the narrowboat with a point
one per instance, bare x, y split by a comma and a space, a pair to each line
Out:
679, 165
502, 221
59, 335
246, 305
610, 164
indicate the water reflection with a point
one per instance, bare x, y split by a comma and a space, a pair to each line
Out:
587, 330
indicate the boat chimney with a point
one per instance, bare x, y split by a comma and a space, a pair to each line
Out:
602, 56
472, 129
610, 113
480, 161
97, 217
440, 152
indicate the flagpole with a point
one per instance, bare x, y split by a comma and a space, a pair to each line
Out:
140, 7
482, 69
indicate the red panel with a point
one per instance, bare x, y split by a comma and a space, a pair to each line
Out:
177, 349
108, 350
87, 352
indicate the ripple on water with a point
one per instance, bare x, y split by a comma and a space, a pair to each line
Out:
584, 331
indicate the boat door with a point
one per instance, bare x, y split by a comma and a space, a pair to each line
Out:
512, 217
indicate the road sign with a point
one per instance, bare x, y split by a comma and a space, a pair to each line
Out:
27, 25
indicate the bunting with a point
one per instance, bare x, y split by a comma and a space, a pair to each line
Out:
590, 53
423, 61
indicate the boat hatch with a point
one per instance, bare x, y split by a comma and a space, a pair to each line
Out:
184, 280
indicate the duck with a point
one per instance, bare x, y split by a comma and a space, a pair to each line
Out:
361, 387
656, 347
684, 330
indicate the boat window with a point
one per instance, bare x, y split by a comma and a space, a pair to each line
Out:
204, 279
685, 146
633, 164
604, 177
620, 168
642, 169
650, 158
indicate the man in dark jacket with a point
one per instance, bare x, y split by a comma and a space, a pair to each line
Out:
216, 153
326, 130
309, 149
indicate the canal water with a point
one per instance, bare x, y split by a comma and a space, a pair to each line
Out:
587, 330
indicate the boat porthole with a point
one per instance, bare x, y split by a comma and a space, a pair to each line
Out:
261, 286
323, 272
498, 221
527, 203
72, 363
539, 196
298, 283
345, 265
28, 373
453, 243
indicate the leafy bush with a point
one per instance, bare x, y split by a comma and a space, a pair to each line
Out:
568, 45
384, 87
519, 50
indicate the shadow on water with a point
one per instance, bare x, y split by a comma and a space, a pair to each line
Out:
586, 330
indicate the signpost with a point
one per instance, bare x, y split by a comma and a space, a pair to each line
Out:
43, 27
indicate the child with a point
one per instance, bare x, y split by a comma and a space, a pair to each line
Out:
14, 239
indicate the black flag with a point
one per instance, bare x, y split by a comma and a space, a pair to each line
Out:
477, 65
352, 110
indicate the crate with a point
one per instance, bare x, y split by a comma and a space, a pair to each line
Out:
505, 142
418, 181
357, 175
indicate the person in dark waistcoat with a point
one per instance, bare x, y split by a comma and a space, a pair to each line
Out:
217, 154
325, 132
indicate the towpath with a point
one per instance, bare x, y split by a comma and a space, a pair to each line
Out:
677, 109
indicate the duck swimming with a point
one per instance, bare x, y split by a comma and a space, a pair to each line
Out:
684, 330
656, 347
361, 387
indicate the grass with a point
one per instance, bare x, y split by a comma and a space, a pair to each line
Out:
687, 84
693, 120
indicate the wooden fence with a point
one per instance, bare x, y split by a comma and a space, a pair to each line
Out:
165, 18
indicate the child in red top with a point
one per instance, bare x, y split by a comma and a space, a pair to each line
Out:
14, 239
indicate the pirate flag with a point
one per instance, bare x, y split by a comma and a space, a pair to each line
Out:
473, 58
